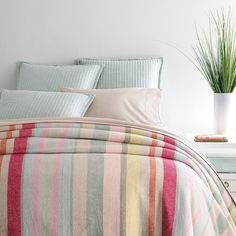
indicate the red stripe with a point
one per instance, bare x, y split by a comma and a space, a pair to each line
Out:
20, 145
13, 195
169, 190
26, 130
25, 133
152, 186
14, 186
28, 126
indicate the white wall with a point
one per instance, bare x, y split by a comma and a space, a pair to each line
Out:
58, 31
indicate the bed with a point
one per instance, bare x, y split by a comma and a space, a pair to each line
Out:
87, 175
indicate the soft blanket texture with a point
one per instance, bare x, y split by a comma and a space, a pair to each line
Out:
96, 177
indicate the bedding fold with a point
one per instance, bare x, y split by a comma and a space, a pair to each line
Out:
104, 177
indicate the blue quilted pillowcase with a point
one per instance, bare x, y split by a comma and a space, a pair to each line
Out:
127, 73
16, 104
52, 78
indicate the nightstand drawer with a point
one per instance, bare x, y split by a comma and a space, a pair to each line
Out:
229, 180
224, 164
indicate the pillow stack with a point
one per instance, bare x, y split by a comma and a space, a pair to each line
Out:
122, 89
38, 91
128, 89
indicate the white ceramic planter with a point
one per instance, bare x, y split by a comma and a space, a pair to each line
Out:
223, 113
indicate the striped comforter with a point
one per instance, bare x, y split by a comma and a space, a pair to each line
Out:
90, 177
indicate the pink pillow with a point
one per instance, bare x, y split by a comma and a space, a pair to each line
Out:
138, 105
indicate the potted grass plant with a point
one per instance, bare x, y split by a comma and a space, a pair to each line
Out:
215, 55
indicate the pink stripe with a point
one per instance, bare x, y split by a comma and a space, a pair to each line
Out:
45, 132
169, 191
111, 195
35, 191
113, 147
200, 200
117, 129
226, 197
228, 232
64, 130
46, 129
35, 199
168, 150
116, 136
55, 209
56, 185
169, 140
189, 221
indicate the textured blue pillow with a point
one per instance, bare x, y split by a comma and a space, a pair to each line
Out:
127, 73
16, 104
52, 78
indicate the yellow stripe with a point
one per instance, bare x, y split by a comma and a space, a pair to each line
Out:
135, 139
233, 212
134, 149
132, 196
136, 131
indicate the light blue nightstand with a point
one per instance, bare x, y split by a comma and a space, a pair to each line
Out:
223, 158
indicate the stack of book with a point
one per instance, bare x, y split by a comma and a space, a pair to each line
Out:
210, 138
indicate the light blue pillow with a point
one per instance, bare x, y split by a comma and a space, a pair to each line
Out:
53, 78
16, 104
127, 73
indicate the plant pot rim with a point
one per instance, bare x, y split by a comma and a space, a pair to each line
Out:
223, 93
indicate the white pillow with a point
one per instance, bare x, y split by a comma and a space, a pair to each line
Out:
138, 105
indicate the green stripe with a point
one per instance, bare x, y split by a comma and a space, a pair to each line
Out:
26, 193
95, 194
65, 194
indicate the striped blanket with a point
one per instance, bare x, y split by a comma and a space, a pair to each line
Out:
84, 177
